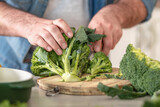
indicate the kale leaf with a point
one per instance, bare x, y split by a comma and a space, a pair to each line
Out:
126, 92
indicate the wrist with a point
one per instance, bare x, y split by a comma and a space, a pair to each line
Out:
127, 12
12, 24
113, 11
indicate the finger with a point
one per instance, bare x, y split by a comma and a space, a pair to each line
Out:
91, 47
64, 26
115, 40
98, 44
51, 41
42, 43
117, 36
107, 44
61, 30
106, 49
55, 32
106, 52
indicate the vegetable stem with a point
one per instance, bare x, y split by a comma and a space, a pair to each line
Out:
67, 67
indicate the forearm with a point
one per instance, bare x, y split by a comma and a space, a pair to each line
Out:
38, 31
14, 22
128, 12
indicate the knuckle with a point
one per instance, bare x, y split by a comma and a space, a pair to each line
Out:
40, 42
43, 44
60, 20
46, 35
109, 45
117, 29
37, 38
53, 27
99, 24
60, 40
55, 48
54, 45
112, 46
58, 36
109, 26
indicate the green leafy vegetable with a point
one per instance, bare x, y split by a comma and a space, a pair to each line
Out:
99, 64
74, 61
81, 35
126, 92
6, 103
155, 100
85, 34
115, 76
90, 77
142, 71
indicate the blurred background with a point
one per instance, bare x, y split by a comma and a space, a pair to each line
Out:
145, 36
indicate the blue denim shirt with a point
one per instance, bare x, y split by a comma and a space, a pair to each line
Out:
14, 49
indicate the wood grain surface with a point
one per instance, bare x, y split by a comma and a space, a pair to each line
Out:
79, 88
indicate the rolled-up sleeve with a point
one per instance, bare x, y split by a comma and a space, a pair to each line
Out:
149, 4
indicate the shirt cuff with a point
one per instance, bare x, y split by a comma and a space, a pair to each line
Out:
149, 4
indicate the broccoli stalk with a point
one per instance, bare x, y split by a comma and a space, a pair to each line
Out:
74, 72
68, 74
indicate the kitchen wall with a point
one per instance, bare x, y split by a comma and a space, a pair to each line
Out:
145, 36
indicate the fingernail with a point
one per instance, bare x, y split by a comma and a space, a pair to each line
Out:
69, 34
64, 45
59, 51
97, 48
49, 48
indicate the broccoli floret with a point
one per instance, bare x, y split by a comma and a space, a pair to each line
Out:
142, 71
73, 61
43, 63
99, 64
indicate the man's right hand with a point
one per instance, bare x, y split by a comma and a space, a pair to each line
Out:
47, 34
40, 32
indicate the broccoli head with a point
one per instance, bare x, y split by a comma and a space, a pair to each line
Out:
142, 71
100, 63
73, 61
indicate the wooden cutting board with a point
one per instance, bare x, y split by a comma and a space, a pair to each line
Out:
80, 88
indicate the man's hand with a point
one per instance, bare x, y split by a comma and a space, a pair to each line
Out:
40, 32
109, 25
111, 19
47, 34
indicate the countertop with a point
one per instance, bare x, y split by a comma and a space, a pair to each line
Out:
39, 99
